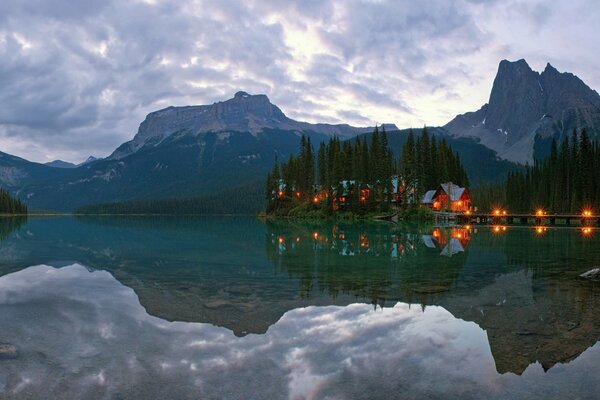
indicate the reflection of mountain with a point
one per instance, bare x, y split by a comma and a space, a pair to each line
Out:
91, 339
532, 305
244, 275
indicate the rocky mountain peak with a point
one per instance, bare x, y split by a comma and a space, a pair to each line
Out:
525, 105
244, 112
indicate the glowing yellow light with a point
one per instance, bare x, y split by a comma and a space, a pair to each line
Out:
280, 193
586, 231
504, 212
468, 227
503, 229
496, 229
281, 240
539, 213
460, 203
315, 199
587, 213
497, 212
468, 212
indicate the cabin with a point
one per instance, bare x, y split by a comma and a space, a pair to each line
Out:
402, 192
448, 197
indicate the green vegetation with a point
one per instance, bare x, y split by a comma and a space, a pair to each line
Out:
565, 182
361, 177
10, 205
247, 199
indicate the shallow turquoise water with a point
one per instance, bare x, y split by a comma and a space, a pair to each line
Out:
237, 308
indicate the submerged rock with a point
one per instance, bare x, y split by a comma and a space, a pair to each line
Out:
592, 274
8, 351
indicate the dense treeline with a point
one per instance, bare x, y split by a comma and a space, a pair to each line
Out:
564, 182
366, 162
247, 199
10, 205
426, 163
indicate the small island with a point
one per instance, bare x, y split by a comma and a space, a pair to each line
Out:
362, 178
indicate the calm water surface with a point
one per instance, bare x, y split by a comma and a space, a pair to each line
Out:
171, 308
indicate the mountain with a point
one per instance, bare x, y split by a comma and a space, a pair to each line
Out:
60, 164
526, 108
178, 152
243, 113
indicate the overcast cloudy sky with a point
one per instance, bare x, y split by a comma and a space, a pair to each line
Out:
77, 77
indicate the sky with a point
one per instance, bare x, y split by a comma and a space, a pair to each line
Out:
78, 77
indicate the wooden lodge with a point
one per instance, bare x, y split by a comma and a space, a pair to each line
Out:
448, 197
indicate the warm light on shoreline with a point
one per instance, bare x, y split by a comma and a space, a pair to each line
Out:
587, 213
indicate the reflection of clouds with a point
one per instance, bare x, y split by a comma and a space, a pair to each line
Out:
83, 334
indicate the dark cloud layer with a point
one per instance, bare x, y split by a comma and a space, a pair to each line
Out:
78, 77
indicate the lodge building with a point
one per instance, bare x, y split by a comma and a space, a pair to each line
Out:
448, 197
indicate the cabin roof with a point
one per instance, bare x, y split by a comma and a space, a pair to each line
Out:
454, 246
453, 191
428, 198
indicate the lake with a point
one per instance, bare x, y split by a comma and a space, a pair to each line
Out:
236, 308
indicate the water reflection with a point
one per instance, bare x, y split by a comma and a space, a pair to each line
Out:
520, 287
76, 345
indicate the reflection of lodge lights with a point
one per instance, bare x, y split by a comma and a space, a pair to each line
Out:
587, 213
281, 239
586, 231
540, 230
342, 236
297, 239
539, 212
316, 235
496, 212
498, 229
280, 193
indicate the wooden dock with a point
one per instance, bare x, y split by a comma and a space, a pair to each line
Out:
504, 218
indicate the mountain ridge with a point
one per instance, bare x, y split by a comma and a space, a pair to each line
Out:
526, 105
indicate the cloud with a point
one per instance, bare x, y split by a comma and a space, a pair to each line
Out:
77, 79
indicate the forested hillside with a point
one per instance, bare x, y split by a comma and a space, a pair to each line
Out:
10, 205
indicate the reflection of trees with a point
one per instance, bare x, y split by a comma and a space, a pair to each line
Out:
10, 224
378, 262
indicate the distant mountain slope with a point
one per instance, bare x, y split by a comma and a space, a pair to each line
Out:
60, 164
526, 106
